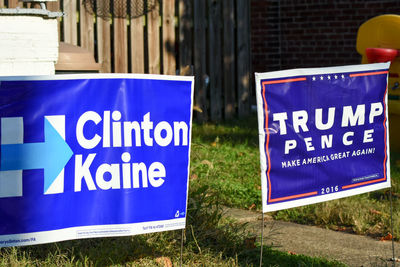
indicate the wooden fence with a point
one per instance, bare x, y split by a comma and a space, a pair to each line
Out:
207, 38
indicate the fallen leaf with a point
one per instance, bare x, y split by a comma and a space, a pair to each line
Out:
387, 237
207, 162
198, 109
250, 243
377, 212
252, 206
164, 261
292, 253
194, 176
216, 141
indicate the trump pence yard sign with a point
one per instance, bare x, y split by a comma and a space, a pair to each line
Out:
323, 133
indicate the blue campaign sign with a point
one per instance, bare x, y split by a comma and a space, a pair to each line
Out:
92, 156
323, 133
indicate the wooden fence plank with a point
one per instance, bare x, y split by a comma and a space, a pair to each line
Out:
104, 44
86, 28
215, 65
137, 44
153, 33
243, 57
229, 58
70, 22
120, 44
2, 3
103, 39
185, 35
12, 3
53, 6
200, 62
168, 36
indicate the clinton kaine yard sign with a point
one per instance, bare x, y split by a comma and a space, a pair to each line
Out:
93, 155
323, 133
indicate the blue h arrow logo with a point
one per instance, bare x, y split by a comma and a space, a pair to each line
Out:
51, 155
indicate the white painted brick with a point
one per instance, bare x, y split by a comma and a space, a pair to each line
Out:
28, 45
26, 68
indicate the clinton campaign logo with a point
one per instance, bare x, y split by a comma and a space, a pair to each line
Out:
51, 155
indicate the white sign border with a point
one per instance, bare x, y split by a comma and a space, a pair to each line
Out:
93, 231
85, 76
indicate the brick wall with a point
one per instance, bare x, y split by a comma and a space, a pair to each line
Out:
310, 33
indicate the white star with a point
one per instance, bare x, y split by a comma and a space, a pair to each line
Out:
335, 76
342, 76
313, 78
322, 78
329, 77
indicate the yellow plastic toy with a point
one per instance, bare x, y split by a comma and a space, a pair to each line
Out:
378, 40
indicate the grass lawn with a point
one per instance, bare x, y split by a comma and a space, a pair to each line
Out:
224, 171
226, 157
210, 240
